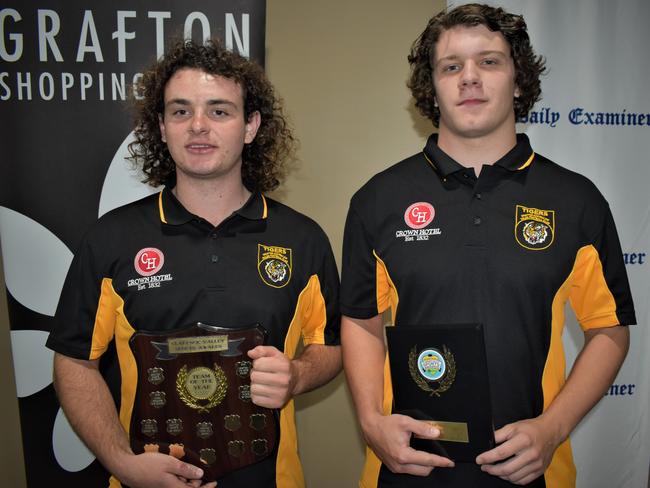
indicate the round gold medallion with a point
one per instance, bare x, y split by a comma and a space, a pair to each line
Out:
201, 383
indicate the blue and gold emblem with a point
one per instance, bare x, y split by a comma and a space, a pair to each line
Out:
431, 364
432, 370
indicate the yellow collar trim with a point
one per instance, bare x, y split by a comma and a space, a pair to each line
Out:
265, 212
527, 163
160, 208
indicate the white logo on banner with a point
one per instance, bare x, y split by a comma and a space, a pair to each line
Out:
35, 266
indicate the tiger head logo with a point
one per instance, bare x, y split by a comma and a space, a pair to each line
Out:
276, 270
535, 233
274, 265
534, 227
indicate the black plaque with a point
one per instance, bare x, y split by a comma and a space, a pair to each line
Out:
439, 375
189, 401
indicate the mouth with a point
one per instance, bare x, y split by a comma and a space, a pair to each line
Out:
472, 102
198, 148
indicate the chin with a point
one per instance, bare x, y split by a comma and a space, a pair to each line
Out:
472, 132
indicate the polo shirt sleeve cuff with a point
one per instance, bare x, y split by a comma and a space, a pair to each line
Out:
66, 350
608, 320
628, 318
358, 312
314, 339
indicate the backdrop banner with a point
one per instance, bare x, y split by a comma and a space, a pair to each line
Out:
65, 82
594, 118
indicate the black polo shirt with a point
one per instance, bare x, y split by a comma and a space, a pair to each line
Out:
436, 244
152, 265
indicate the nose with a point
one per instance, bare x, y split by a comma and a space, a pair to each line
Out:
198, 124
469, 75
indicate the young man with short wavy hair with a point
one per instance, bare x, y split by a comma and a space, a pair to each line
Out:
478, 228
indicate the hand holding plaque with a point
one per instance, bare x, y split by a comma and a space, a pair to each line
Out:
193, 398
273, 377
439, 375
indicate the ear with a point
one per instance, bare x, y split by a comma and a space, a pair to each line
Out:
161, 125
517, 92
252, 125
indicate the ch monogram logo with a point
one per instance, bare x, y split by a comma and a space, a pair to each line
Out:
419, 215
148, 261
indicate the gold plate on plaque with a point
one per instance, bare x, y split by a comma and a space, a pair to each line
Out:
451, 431
245, 393
208, 456
243, 368
191, 345
149, 427
258, 421
236, 448
259, 447
157, 399
174, 426
155, 375
232, 422
204, 430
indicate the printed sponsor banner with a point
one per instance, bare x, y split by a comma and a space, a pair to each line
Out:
66, 75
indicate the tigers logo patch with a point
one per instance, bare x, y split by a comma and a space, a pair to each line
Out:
274, 265
534, 228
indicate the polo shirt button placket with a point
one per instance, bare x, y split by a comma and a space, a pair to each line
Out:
215, 281
214, 258
477, 220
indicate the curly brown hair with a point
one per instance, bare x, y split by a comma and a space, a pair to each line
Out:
528, 66
262, 160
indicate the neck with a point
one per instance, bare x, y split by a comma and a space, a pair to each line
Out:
212, 200
474, 152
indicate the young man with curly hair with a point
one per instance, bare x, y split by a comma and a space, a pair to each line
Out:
210, 247
478, 228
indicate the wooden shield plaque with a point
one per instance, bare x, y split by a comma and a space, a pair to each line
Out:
193, 398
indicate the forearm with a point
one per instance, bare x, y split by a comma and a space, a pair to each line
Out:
90, 409
317, 365
389, 436
364, 355
588, 380
525, 448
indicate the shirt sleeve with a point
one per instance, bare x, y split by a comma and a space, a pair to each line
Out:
600, 292
83, 324
318, 305
330, 284
359, 269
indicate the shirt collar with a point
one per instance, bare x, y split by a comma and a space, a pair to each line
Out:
255, 208
172, 211
518, 158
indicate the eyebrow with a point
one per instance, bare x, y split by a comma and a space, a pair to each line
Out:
215, 101
454, 57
